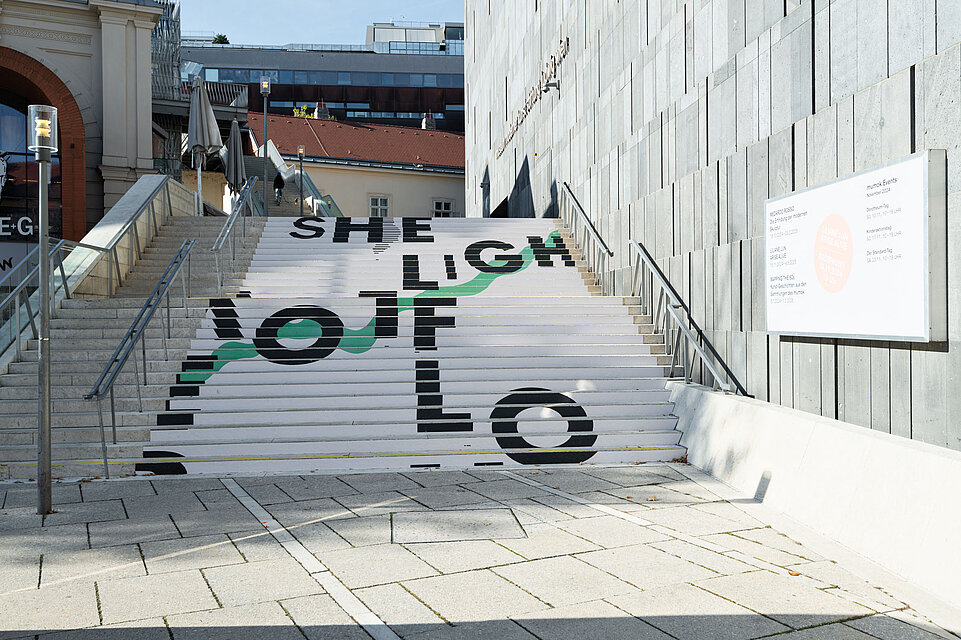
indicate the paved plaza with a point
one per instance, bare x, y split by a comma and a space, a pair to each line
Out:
639, 552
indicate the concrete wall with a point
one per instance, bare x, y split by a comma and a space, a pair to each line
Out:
411, 193
675, 120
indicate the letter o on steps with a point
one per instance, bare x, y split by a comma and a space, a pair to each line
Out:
269, 347
504, 421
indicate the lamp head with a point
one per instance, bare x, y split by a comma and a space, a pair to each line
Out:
43, 128
265, 85
300, 152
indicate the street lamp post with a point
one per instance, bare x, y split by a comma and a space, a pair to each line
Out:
300, 154
265, 91
43, 142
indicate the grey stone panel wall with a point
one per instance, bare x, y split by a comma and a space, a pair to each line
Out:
676, 119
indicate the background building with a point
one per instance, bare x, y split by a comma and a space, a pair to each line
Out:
403, 71
673, 122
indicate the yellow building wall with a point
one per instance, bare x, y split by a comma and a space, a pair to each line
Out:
411, 194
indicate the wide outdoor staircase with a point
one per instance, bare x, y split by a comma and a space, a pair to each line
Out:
354, 344
84, 335
289, 206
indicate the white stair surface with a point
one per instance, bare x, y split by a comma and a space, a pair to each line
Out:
359, 344
396, 344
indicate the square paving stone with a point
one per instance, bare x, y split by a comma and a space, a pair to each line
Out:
115, 489
261, 581
404, 613
689, 613
309, 511
378, 482
888, 628
473, 596
199, 523
249, 622
162, 504
27, 496
445, 496
29, 542
140, 629
314, 487
454, 526
691, 522
833, 575
368, 566
376, 504
266, 494
506, 489
634, 476
544, 540
190, 553
440, 478
571, 480
645, 567
529, 511
321, 618
588, 620
67, 606
215, 499
704, 557
452, 557
155, 595
654, 496
563, 581
692, 488
20, 572
362, 532
92, 565
257, 545
729, 511
320, 538
571, 508
788, 600
182, 485
85, 512
776, 540
120, 532
735, 542
609, 531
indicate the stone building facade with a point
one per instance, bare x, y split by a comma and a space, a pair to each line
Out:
673, 121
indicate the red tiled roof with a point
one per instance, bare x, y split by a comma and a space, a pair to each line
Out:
361, 141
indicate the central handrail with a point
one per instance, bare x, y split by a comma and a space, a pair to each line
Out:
595, 249
136, 332
684, 324
226, 232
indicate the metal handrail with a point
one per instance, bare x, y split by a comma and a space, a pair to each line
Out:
595, 249
226, 232
137, 332
674, 308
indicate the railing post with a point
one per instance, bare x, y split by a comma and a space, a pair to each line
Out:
136, 370
113, 413
18, 329
103, 439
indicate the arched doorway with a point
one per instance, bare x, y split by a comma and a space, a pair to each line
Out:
26, 81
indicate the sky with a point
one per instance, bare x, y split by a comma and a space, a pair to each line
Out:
308, 21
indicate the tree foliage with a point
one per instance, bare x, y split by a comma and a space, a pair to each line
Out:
221, 38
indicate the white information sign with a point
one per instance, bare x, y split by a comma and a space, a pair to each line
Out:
853, 258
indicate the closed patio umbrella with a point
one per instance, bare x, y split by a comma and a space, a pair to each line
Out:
203, 133
236, 173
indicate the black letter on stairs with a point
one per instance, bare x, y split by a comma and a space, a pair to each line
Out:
386, 326
430, 403
426, 323
374, 229
412, 281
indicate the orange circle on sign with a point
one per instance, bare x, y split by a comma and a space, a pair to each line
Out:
833, 253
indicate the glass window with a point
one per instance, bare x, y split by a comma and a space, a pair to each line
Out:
358, 105
336, 105
328, 77
443, 208
211, 75
387, 79
273, 74
402, 79
438, 116
379, 206
301, 77
281, 104
285, 76
252, 75
343, 77
443, 80
417, 79
358, 79
455, 107
430, 80
458, 80
314, 77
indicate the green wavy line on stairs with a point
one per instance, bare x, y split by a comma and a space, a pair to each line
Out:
358, 341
